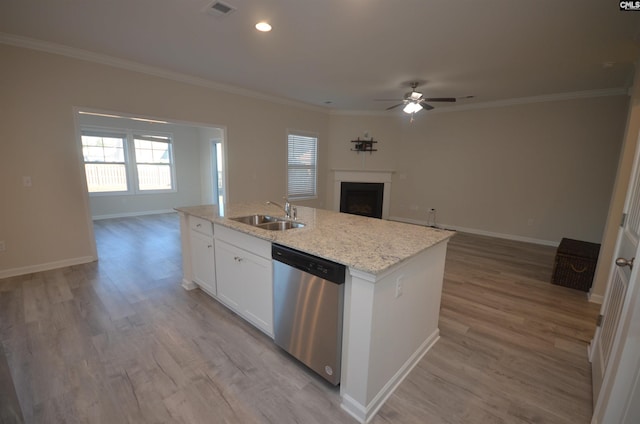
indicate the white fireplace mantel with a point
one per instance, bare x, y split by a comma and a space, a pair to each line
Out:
363, 176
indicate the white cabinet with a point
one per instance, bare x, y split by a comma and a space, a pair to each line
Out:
202, 254
244, 280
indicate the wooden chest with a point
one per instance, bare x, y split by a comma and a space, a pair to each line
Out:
575, 264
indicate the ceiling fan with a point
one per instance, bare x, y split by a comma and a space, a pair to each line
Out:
414, 101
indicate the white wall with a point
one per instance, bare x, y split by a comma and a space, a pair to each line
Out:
497, 170
48, 224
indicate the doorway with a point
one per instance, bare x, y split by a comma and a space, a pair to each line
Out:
217, 167
194, 157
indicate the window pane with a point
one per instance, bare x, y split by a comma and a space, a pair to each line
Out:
102, 149
113, 154
112, 142
142, 144
154, 177
144, 156
88, 140
93, 154
152, 151
105, 177
161, 152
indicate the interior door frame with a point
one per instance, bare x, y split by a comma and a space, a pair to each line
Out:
620, 379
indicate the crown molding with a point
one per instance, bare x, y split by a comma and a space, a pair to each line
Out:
75, 53
504, 103
59, 49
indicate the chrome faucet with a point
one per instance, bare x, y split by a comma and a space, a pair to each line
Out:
286, 207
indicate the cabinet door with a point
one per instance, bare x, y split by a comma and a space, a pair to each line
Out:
244, 284
203, 261
227, 270
258, 299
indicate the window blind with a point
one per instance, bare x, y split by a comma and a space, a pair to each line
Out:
301, 166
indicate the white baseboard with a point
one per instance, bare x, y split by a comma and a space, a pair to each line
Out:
479, 232
595, 298
365, 414
354, 408
189, 285
30, 269
130, 214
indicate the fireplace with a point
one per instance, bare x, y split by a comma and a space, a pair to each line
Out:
362, 198
379, 176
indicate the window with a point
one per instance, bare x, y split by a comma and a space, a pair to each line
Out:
302, 165
114, 160
104, 162
153, 161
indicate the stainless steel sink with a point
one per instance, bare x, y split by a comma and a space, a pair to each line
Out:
267, 222
281, 225
256, 220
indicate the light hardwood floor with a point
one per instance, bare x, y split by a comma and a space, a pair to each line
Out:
120, 341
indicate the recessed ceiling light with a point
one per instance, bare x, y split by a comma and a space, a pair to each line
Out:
263, 26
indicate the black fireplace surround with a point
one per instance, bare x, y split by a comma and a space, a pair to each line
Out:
362, 198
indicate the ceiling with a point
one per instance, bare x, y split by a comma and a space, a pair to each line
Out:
351, 52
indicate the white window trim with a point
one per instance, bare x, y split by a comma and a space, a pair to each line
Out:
130, 159
303, 134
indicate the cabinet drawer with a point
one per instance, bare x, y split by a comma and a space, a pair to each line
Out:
201, 225
244, 241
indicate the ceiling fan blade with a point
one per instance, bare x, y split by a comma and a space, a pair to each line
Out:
394, 106
426, 106
441, 99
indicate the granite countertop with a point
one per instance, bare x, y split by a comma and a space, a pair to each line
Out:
365, 244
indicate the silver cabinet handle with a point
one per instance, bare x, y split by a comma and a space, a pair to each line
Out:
209, 246
625, 262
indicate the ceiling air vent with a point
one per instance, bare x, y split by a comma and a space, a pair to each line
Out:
219, 8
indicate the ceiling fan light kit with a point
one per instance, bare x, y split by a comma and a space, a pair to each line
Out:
412, 107
415, 95
414, 101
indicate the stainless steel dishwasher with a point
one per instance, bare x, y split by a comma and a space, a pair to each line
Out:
308, 295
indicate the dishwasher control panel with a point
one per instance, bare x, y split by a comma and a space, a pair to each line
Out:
303, 261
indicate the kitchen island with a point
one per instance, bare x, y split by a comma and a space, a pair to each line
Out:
392, 289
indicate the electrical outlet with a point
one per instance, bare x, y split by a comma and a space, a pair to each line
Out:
399, 286
431, 217
3, 246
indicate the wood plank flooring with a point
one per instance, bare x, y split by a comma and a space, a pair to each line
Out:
120, 341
